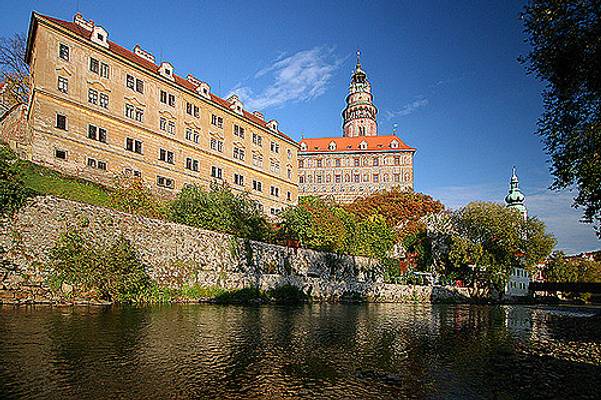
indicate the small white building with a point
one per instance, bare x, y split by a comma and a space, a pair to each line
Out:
518, 282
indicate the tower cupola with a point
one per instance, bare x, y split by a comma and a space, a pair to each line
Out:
360, 113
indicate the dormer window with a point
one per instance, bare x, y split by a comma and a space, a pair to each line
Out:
236, 104
303, 146
100, 36
273, 125
363, 145
394, 144
166, 70
332, 146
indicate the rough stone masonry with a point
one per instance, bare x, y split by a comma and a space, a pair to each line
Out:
178, 255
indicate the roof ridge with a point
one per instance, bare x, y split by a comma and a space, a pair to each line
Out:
179, 80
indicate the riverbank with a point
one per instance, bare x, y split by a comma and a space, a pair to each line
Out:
164, 258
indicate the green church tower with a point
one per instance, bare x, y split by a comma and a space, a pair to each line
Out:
515, 198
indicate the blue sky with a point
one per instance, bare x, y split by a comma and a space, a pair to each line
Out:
445, 72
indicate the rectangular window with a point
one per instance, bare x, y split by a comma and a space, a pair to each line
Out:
192, 164
132, 172
275, 147
217, 121
289, 173
337, 162
96, 133
104, 100
239, 131
275, 191
288, 196
216, 172
257, 160
274, 167
133, 145
337, 178
164, 182
238, 180
163, 97
189, 108
376, 162
172, 100
217, 145
139, 115
94, 65
171, 128
130, 111
166, 156
357, 162
301, 179
162, 124
196, 111
63, 84
97, 164
62, 154
238, 153
301, 164
257, 185
61, 122
139, 86
63, 52
319, 163
257, 139
92, 96
357, 178
104, 70
376, 178
130, 82
192, 135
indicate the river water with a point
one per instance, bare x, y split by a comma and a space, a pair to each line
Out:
317, 351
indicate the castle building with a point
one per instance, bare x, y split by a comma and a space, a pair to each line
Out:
361, 161
98, 110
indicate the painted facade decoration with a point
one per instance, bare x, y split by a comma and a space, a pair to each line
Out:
360, 162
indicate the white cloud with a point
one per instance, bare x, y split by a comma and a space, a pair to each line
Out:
300, 77
552, 207
408, 108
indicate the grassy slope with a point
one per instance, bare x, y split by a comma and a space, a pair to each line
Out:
48, 182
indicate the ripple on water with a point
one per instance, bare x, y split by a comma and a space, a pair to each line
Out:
375, 351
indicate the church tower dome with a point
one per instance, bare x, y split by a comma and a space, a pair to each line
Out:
515, 198
360, 113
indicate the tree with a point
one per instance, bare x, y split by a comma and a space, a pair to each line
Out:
14, 71
558, 268
221, 210
402, 210
490, 239
565, 37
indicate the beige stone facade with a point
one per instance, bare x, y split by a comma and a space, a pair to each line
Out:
359, 163
98, 110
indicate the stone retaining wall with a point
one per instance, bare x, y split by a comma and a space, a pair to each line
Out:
178, 255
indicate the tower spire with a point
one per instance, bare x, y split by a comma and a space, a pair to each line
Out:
515, 198
360, 113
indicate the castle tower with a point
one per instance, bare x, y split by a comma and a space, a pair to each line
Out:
515, 198
360, 113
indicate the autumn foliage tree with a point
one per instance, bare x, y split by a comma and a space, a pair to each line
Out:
404, 211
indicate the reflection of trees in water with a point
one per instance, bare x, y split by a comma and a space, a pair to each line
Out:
317, 351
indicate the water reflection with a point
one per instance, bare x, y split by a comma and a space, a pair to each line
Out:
316, 351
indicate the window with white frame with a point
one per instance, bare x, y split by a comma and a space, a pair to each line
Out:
96, 133
238, 153
165, 182
238, 179
192, 135
217, 145
216, 121
166, 156
133, 145
257, 185
257, 139
63, 84
239, 131
63, 51
216, 172
192, 164
275, 147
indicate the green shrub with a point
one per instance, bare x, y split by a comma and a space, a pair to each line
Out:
113, 271
13, 193
131, 195
220, 210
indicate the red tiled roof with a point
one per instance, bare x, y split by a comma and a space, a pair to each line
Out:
1, 85
144, 63
352, 144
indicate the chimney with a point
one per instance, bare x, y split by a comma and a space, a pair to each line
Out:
143, 53
81, 21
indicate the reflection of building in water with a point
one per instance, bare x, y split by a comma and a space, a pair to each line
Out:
518, 320
518, 282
